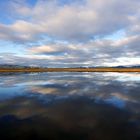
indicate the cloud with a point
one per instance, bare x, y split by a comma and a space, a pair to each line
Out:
73, 33
100, 52
93, 53
75, 21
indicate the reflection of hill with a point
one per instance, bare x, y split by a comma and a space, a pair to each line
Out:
76, 118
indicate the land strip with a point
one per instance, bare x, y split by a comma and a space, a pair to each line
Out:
3, 70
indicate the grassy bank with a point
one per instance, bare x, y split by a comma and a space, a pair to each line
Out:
70, 70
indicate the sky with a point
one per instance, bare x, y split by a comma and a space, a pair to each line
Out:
70, 33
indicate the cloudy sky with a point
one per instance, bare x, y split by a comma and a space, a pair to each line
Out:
70, 33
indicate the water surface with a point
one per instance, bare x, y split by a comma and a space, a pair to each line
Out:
68, 106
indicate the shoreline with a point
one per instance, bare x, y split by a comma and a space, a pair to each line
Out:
6, 70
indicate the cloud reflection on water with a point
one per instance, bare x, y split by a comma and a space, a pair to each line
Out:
75, 103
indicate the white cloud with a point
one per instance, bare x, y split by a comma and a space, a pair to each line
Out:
83, 25
75, 21
43, 49
93, 53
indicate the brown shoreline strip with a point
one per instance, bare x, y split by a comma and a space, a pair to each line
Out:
4, 70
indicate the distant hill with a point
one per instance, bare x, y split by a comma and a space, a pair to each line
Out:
133, 66
10, 66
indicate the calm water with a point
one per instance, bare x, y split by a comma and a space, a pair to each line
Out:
70, 106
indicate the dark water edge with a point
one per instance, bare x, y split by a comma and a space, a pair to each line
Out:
75, 118
70, 107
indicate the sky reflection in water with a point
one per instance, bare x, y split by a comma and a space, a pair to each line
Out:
70, 105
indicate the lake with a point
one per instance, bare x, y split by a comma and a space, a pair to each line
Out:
70, 106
